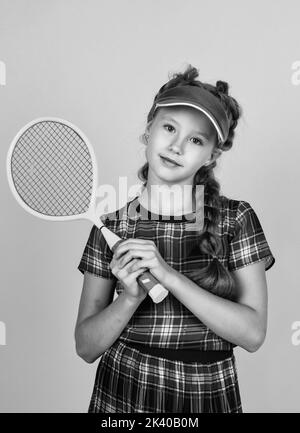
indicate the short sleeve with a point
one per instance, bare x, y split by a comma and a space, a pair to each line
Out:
96, 256
248, 244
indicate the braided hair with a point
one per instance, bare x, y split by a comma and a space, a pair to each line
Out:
215, 277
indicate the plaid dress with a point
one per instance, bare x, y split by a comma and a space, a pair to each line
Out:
129, 380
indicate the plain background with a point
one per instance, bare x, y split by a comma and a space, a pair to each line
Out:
99, 65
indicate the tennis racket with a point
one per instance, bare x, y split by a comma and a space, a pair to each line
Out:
52, 173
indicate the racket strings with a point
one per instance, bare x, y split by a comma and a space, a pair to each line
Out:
32, 160
36, 187
52, 169
64, 152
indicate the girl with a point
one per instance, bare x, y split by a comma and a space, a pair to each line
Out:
176, 355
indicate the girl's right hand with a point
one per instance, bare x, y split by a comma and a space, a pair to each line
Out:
128, 278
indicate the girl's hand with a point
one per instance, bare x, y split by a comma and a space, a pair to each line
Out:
128, 278
148, 257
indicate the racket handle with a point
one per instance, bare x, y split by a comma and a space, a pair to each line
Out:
148, 282
155, 290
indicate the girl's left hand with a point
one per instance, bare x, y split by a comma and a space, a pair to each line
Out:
149, 256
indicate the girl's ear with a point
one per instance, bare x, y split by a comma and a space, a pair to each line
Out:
147, 132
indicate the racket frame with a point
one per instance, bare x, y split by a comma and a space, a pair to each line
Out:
91, 213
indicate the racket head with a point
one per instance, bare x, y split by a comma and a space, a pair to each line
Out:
36, 130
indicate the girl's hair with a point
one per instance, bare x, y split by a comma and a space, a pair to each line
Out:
215, 277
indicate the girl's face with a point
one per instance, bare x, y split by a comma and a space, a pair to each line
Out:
184, 135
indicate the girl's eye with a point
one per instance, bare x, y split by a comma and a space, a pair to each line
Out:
197, 139
169, 126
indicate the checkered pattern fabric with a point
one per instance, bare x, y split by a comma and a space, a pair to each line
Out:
130, 381
169, 324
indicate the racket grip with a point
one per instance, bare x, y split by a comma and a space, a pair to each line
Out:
148, 282
155, 290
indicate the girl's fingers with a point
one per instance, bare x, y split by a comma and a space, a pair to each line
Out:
133, 267
141, 263
139, 254
138, 272
134, 245
125, 270
132, 275
130, 264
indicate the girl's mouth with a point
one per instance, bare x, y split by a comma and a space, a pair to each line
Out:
168, 163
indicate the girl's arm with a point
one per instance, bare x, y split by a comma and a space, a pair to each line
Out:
244, 322
101, 321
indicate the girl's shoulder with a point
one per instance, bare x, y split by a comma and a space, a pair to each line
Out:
247, 239
234, 213
239, 217
234, 208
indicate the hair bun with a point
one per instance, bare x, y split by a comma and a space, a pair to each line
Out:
222, 87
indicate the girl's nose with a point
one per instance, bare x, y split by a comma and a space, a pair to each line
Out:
177, 145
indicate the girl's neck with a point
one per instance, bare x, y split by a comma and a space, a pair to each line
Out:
168, 201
